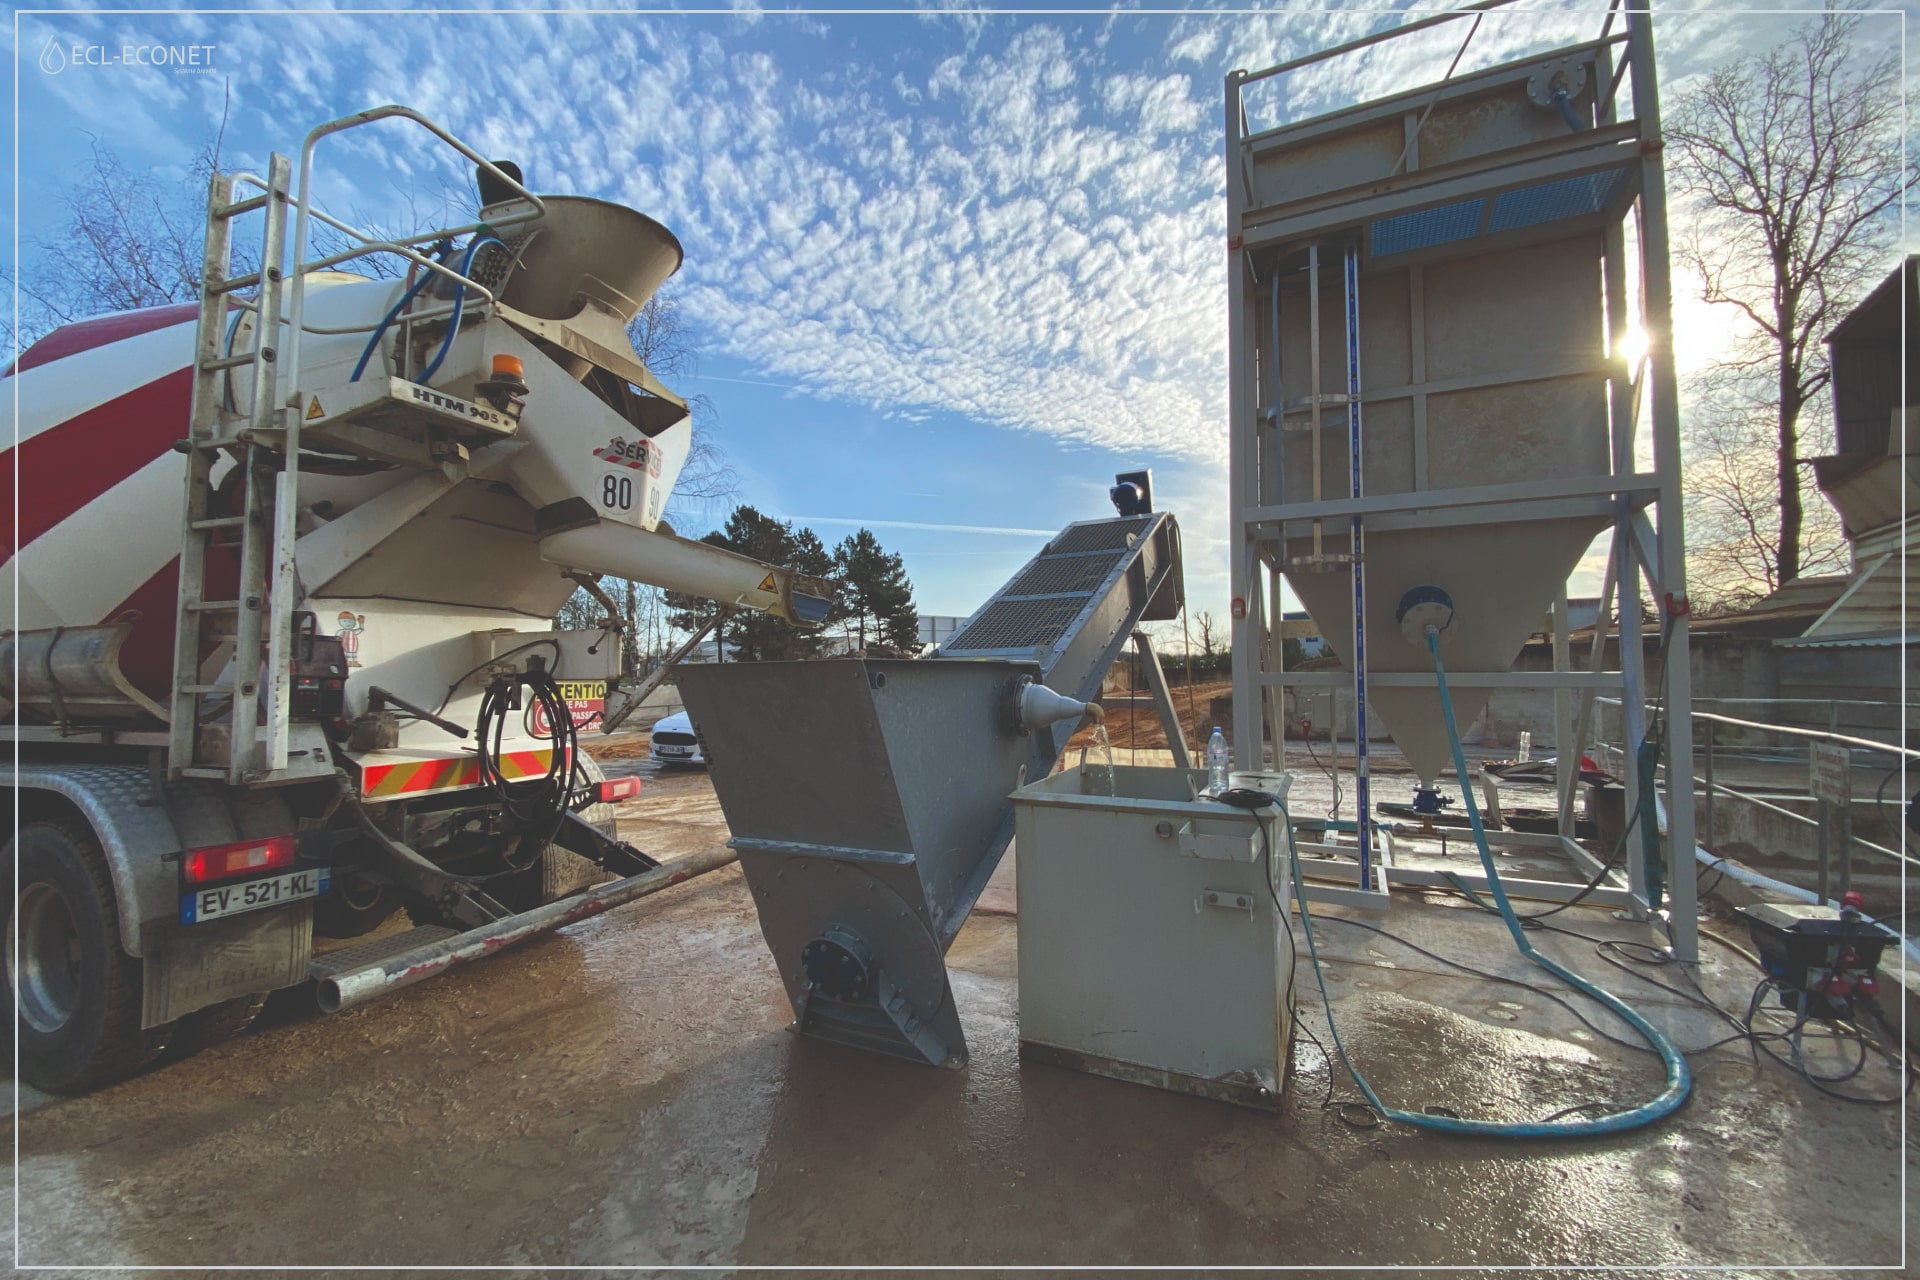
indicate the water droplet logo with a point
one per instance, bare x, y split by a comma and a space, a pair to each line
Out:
53, 60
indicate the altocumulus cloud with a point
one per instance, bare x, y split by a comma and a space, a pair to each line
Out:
1016, 220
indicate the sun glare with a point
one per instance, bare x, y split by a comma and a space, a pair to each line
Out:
1633, 345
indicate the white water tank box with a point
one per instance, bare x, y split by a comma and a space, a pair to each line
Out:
1154, 940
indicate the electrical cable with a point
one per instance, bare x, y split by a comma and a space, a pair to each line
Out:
549, 641
1678, 1077
1880, 807
1656, 740
1544, 992
1333, 813
1251, 800
1607, 948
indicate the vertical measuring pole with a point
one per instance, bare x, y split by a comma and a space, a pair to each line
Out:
1364, 824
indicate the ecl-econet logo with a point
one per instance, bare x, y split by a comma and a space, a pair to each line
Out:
57, 57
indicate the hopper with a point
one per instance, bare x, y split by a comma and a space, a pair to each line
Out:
868, 800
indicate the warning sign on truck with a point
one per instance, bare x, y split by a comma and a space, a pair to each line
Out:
586, 703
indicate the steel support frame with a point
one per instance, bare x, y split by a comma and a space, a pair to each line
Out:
1643, 553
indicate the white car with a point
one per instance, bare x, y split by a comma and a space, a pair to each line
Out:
674, 741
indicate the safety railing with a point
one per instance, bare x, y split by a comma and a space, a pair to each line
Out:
1834, 841
361, 244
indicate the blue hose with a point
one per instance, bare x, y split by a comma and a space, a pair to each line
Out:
1562, 101
1679, 1079
459, 300
413, 291
441, 249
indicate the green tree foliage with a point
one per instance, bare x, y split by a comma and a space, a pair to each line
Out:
876, 598
757, 637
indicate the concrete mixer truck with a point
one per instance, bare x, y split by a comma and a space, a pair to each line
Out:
280, 659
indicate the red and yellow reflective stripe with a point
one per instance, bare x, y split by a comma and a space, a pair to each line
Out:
381, 781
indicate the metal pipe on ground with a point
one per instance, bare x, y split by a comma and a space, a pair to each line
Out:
345, 991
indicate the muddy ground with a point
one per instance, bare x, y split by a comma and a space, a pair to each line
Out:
626, 1093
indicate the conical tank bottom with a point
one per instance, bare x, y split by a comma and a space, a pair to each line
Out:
1502, 578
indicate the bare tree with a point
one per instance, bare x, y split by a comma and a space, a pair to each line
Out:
1733, 498
1204, 624
126, 242
131, 239
661, 339
1793, 161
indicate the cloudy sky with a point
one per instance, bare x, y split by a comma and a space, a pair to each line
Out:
947, 271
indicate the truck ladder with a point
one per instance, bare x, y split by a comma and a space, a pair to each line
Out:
197, 747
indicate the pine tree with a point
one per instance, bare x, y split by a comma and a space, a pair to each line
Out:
757, 637
876, 598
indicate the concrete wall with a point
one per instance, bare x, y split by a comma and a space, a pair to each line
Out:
1723, 668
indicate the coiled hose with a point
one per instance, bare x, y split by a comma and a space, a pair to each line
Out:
536, 804
1679, 1080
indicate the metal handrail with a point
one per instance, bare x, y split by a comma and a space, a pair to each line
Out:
282, 570
1816, 735
1715, 788
1408, 28
1794, 731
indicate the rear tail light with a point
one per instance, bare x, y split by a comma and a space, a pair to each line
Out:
243, 857
618, 789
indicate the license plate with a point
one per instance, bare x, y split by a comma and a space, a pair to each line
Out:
232, 899
674, 751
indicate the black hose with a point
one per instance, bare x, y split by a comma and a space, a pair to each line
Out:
538, 805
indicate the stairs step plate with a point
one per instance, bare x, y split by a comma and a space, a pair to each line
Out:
361, 955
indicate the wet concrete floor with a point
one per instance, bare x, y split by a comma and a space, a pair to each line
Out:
625, 1094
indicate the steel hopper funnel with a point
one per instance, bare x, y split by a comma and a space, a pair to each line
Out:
1502, 579
589, 250
869, 802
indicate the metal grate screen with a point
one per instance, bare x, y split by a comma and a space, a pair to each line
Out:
1052, 575
1099, 535
1039, 604
1018, 624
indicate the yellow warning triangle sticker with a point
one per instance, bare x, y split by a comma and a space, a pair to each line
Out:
766, 583
314, 410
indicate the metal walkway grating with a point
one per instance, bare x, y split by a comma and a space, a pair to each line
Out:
1426, 228
1580, 196
1575, 197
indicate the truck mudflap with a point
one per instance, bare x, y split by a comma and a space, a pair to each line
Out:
429, 952
194, 966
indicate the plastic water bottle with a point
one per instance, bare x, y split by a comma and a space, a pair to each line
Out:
1217, 761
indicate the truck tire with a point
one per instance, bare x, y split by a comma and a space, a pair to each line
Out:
75, 991
354, 908
204, 1028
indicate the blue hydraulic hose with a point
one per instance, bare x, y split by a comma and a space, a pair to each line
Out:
459, 299
1679, 1079
412, 292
